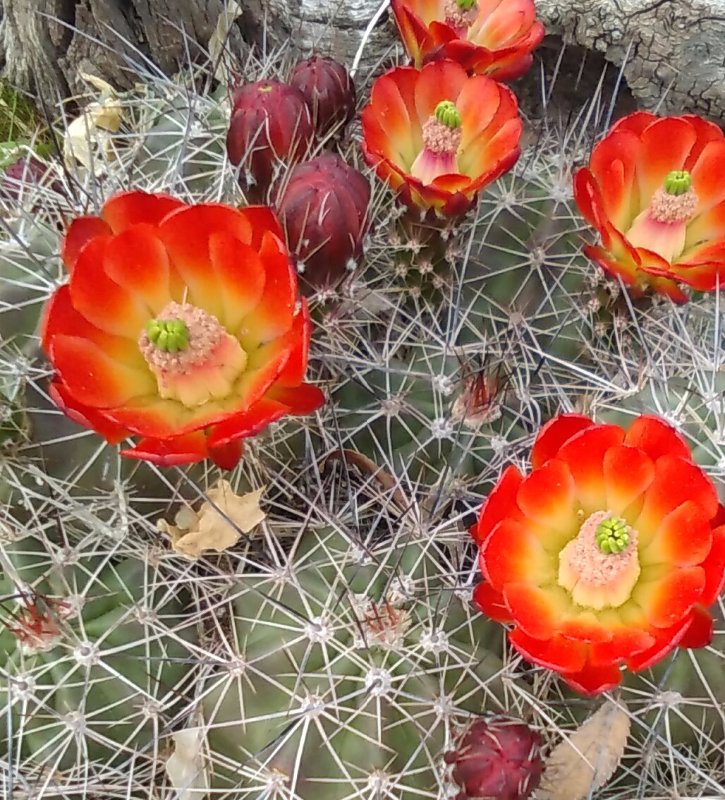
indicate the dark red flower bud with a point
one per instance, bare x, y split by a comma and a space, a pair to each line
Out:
23, 175
271, 126
329, 91
324, 210
497, 758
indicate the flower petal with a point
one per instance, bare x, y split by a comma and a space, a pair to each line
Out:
584, 454
79, 233
491, 602
240, 274
512, 554
669, 599
548, 496
656, 438
136, 260
560, 654
684, 538
714, 566
700, 631
294, 370
247, 423
614, 165
261, 219
537, 612
625, 642
274, 313
628, 473
130, 208
101, 300
93, 377
186, 449
666, 145
585, 626
85, 415
554, 434
706, 182
439, 80
300, 400
665, 641
676, 481
593, 679
500, 503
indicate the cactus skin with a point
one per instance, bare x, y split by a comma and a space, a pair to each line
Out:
497, 758
103, 673
347, 670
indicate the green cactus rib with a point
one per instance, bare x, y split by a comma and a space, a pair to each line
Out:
97, 675
349, 672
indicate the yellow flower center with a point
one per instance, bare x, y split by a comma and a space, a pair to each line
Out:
191, 355
600, 566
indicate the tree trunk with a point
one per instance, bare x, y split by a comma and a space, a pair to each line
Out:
43, 52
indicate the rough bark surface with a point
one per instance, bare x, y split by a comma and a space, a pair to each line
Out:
46, 44
673, 51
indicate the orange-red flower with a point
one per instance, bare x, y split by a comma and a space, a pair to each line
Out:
654, 191
180, 324
492, 37
438, 136
607, 554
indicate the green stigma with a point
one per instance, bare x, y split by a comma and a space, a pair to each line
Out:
612, 535
678, 181
447, 113
465, 5
169, 335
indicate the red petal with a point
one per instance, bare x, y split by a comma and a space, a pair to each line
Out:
136, 260
294, 371
300, 400
705, 183
586, 627
548, 496
186, 234
248, 423
101, 300
186, 449
666, 145
240, 277
79, 233
130, 208
263, 368
665, 641
700, 631
227, 456
624, 643
94, 378
584, 453
85, 415
274, 314
613, 164
714, 566
554, 434
491, 602
511, 554
261, 219
536, 611
628, 473
439, 80
676, 481
669, 599
594, 679
656, 438
559, 654
500, 503
684, 538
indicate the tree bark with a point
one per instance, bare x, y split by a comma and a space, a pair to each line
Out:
672, 51
45, 45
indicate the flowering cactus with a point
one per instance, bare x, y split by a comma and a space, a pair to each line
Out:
324, 210
587, 558
492, 37
270, 126
497, 758
179, 324
329, 91
438, 136
654, 192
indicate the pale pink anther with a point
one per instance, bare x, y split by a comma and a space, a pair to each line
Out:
458, 18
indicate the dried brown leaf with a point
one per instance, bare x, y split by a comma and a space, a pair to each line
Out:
218, 523
588, 758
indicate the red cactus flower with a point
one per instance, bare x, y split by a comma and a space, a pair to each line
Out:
607, 555
324, 210
653, 190
181, 325
438, 136
329, 91
491, 37
271, 126
497, 758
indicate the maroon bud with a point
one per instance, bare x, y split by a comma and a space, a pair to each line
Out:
30, 177
324, 211
271, 126
329, 91
497, 758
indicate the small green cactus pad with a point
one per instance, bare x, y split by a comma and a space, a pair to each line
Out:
351, 663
